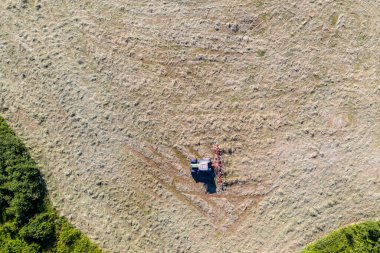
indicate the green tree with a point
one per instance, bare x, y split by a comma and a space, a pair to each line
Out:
40, 229
363, 237
28, 223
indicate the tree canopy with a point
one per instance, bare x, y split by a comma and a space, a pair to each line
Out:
28, 223
363, 237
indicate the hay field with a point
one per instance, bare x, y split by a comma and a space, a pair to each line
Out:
113, 97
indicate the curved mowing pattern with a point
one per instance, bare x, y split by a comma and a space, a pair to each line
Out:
28, 222
363, 238
113, 97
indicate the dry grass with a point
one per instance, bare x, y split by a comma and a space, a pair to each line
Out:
291, 87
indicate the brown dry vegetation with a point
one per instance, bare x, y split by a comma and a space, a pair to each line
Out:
112, 97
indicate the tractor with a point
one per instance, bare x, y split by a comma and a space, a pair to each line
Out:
202, 170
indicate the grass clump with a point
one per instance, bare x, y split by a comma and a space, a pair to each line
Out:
28, 223
357, 238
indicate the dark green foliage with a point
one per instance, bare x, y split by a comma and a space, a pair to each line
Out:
40, 229
27, 222
72, 241
19, 246
362, 237
21, 185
